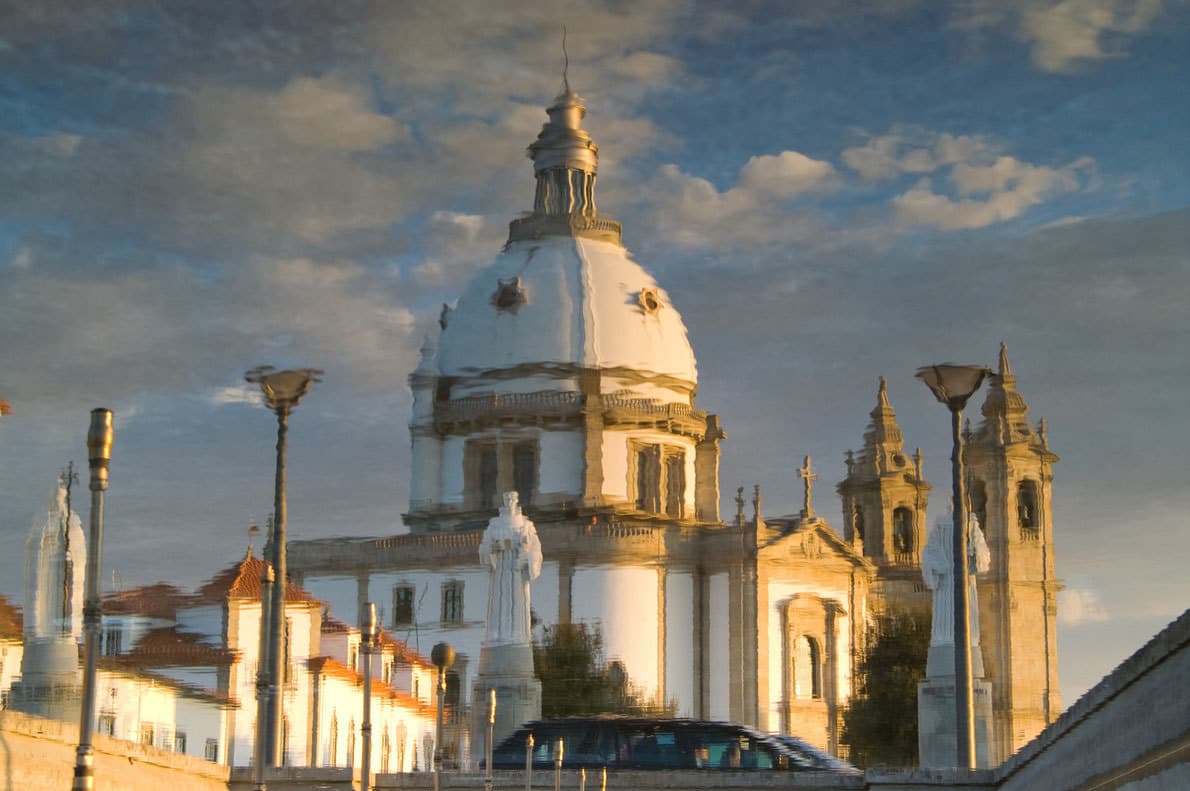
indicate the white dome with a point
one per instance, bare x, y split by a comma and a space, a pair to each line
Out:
571, 301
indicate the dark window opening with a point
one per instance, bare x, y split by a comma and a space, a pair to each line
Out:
524, 471
902, 530
979, 502
403, 605
452, 602
488, 477
675, 484
1026, 505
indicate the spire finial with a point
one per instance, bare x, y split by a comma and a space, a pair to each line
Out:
807, 474
1005, 368
882, 393
565, 64
253, 529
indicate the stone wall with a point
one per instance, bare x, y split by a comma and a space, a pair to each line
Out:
37, 753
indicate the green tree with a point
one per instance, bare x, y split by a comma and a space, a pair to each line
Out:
577, 679
880, 723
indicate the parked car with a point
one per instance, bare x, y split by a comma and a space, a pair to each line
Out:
813, 758
647, 743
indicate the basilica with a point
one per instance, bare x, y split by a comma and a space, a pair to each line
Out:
564, 373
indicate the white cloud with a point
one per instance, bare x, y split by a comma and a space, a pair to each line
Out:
328, 113
456, 246
691, 211
1068, 32
236, 394
1080, 605
986, 194
912, 150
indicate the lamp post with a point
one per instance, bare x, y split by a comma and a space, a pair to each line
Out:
283, 390
368, 641
953, 385
487, 777
99, 454
443, 656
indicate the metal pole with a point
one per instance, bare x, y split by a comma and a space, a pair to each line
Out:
263, 710
964, 711
529, 763
366, 727
438, 728
487, 778
559, 748
277, 651
582, 779
99, 453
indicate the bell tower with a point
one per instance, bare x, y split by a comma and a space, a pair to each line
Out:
884, 507
1010, 473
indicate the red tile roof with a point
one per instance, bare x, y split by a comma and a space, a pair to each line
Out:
326, 666
159, 600
242, 581
11, 622
170, 648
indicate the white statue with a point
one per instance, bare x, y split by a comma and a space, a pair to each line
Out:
937, 569
55, 559
512, 552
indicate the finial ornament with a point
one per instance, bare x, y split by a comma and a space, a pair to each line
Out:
739, 507
1005, 368
850, 462
756, 501
565, 64
807, 474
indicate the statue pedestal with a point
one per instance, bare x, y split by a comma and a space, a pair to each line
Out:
936, 735
508, 669
51, 684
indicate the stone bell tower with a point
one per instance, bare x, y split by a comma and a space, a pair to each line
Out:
1010, 473
884, 508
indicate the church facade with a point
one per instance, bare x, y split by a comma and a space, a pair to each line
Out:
564, 373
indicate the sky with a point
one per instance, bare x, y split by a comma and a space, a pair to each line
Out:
829, 192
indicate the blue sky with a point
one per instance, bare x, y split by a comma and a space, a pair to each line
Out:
827, 194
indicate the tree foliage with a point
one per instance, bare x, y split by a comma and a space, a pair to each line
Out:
577, 679
880, 723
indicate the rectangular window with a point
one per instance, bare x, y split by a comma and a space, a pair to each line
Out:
648, 478
489, 479
112, 639
211, 751
452, 602
675, 483
524, 471
180, 742
107, 724
146, 733
403, 605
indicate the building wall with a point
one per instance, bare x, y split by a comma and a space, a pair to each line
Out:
40, 753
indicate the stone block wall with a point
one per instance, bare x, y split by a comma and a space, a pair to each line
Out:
37, 753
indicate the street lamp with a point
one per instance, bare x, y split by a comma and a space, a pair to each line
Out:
283, 390
99, 454
367, 639
953, 385
443, 656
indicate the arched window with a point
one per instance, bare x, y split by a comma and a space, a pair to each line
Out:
857, 523
903, 531
351, 744
807, 668
979, 502
386, 747
1026, 505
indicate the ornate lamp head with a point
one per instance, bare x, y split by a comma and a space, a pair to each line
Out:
283, 389
953, 384
443, 656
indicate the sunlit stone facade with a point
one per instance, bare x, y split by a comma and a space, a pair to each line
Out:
564, 373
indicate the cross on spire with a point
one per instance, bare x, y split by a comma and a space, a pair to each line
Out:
807, 474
